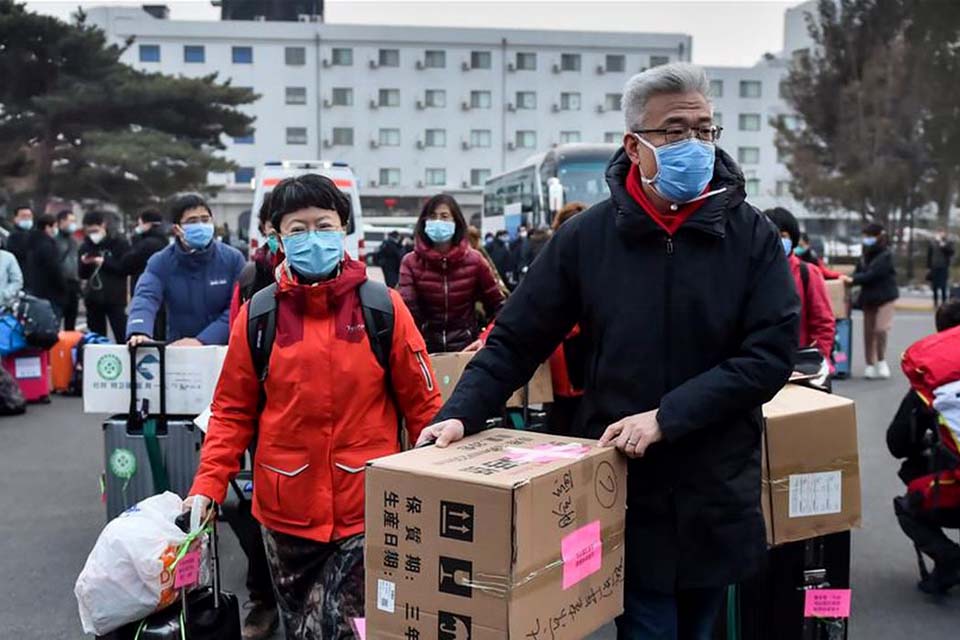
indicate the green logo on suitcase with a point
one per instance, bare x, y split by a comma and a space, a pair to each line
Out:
109, 367
123, 463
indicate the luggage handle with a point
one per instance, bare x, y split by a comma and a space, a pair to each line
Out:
138, 417
183, 521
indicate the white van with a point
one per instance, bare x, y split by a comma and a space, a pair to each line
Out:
342, 175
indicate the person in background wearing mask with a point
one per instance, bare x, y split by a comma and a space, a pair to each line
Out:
101, 265
325, 408
443, 279
389, 255
817, 324
805, 251
70, 263
689, 316
18, 242
148, 238
192, 279
518, 253
500, 254
44, 277
939, 255
260, 272
876, 276
473, 235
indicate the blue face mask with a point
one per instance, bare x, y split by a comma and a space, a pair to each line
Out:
440, 230
787, 245
684, 168
273, 245
26, 225
198, 235
799, 251
314, 254
869, 241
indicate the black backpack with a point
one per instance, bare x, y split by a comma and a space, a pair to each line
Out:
41, 326
375, 303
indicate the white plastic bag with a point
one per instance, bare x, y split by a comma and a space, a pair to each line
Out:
126, 576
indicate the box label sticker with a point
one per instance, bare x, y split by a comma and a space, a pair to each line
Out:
386, 596
27, 368
456, 577
827, 603
360, 627
816, 494
453, 626
456, 521
582, 553
188, 570
547, 452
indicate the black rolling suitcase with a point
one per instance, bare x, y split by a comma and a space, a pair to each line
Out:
208, 612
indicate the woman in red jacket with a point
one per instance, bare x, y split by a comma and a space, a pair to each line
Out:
443, 279
323, 410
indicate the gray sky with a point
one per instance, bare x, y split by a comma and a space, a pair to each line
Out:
725, 32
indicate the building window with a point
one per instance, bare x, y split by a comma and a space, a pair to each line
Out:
783, 89
389, 98
242, 55
243, 175
526, 62
435, 59
194, 54
753, 187
295, 56
782, 156
296, 135
389, 58
389, 177
750, 89
482, 138
244, 139
659, 61
613, 137
526, 139
616, 63
296, 95
436, 177
570, 102
718, 119
480, 60
748, 155
567, 137
611, 102
526, 100
435, 98
435, 138
749, 122
480, 99
716, 88
342, 57
343, 97
783, 188
343, 136
389, 137
149, 53
569, 62
478, 177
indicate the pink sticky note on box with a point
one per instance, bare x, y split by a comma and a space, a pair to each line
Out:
582, 553
360, 626
188, 570
827, 603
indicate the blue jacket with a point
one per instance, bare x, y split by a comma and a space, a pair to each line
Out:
195, 288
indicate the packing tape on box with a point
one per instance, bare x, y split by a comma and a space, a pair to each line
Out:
782, 484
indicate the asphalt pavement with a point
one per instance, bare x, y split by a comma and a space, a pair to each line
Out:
50, 515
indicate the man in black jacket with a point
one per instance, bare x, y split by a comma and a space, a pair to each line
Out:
148, 238
70, 264
18, 242
389, 256
689, 314
939, 256
42, 275
105, 296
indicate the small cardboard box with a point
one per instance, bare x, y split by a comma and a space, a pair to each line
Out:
449, 368
811, 468
506, 534
192, 375
837, 291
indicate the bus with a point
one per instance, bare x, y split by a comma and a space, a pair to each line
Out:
271, 173
532, 193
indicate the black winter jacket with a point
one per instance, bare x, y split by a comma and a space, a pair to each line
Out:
108, 285
42, 275
877, 278
135, 262
907, 439
701, 326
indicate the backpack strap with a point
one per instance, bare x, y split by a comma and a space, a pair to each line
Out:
262, 329
246, 281
377, 307
805, 279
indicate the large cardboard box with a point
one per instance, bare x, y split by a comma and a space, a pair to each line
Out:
507, 534
449, 368
192, 374
811, 468
838, 293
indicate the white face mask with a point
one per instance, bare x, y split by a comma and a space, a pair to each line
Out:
97, 238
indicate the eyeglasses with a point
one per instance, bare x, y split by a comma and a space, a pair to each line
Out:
673, 134
203, 219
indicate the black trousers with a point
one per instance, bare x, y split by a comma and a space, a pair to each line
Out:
926, 531
250, 535
99, 314
71, 306
939, 279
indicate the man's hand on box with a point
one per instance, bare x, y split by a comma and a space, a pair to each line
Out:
441, 434
633, 434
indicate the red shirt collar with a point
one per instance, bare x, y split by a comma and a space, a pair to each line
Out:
669, 223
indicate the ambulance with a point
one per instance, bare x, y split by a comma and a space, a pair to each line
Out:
271, 173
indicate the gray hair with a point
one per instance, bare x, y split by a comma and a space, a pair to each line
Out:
676, 77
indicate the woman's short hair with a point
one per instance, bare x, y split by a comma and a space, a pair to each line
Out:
303, 192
